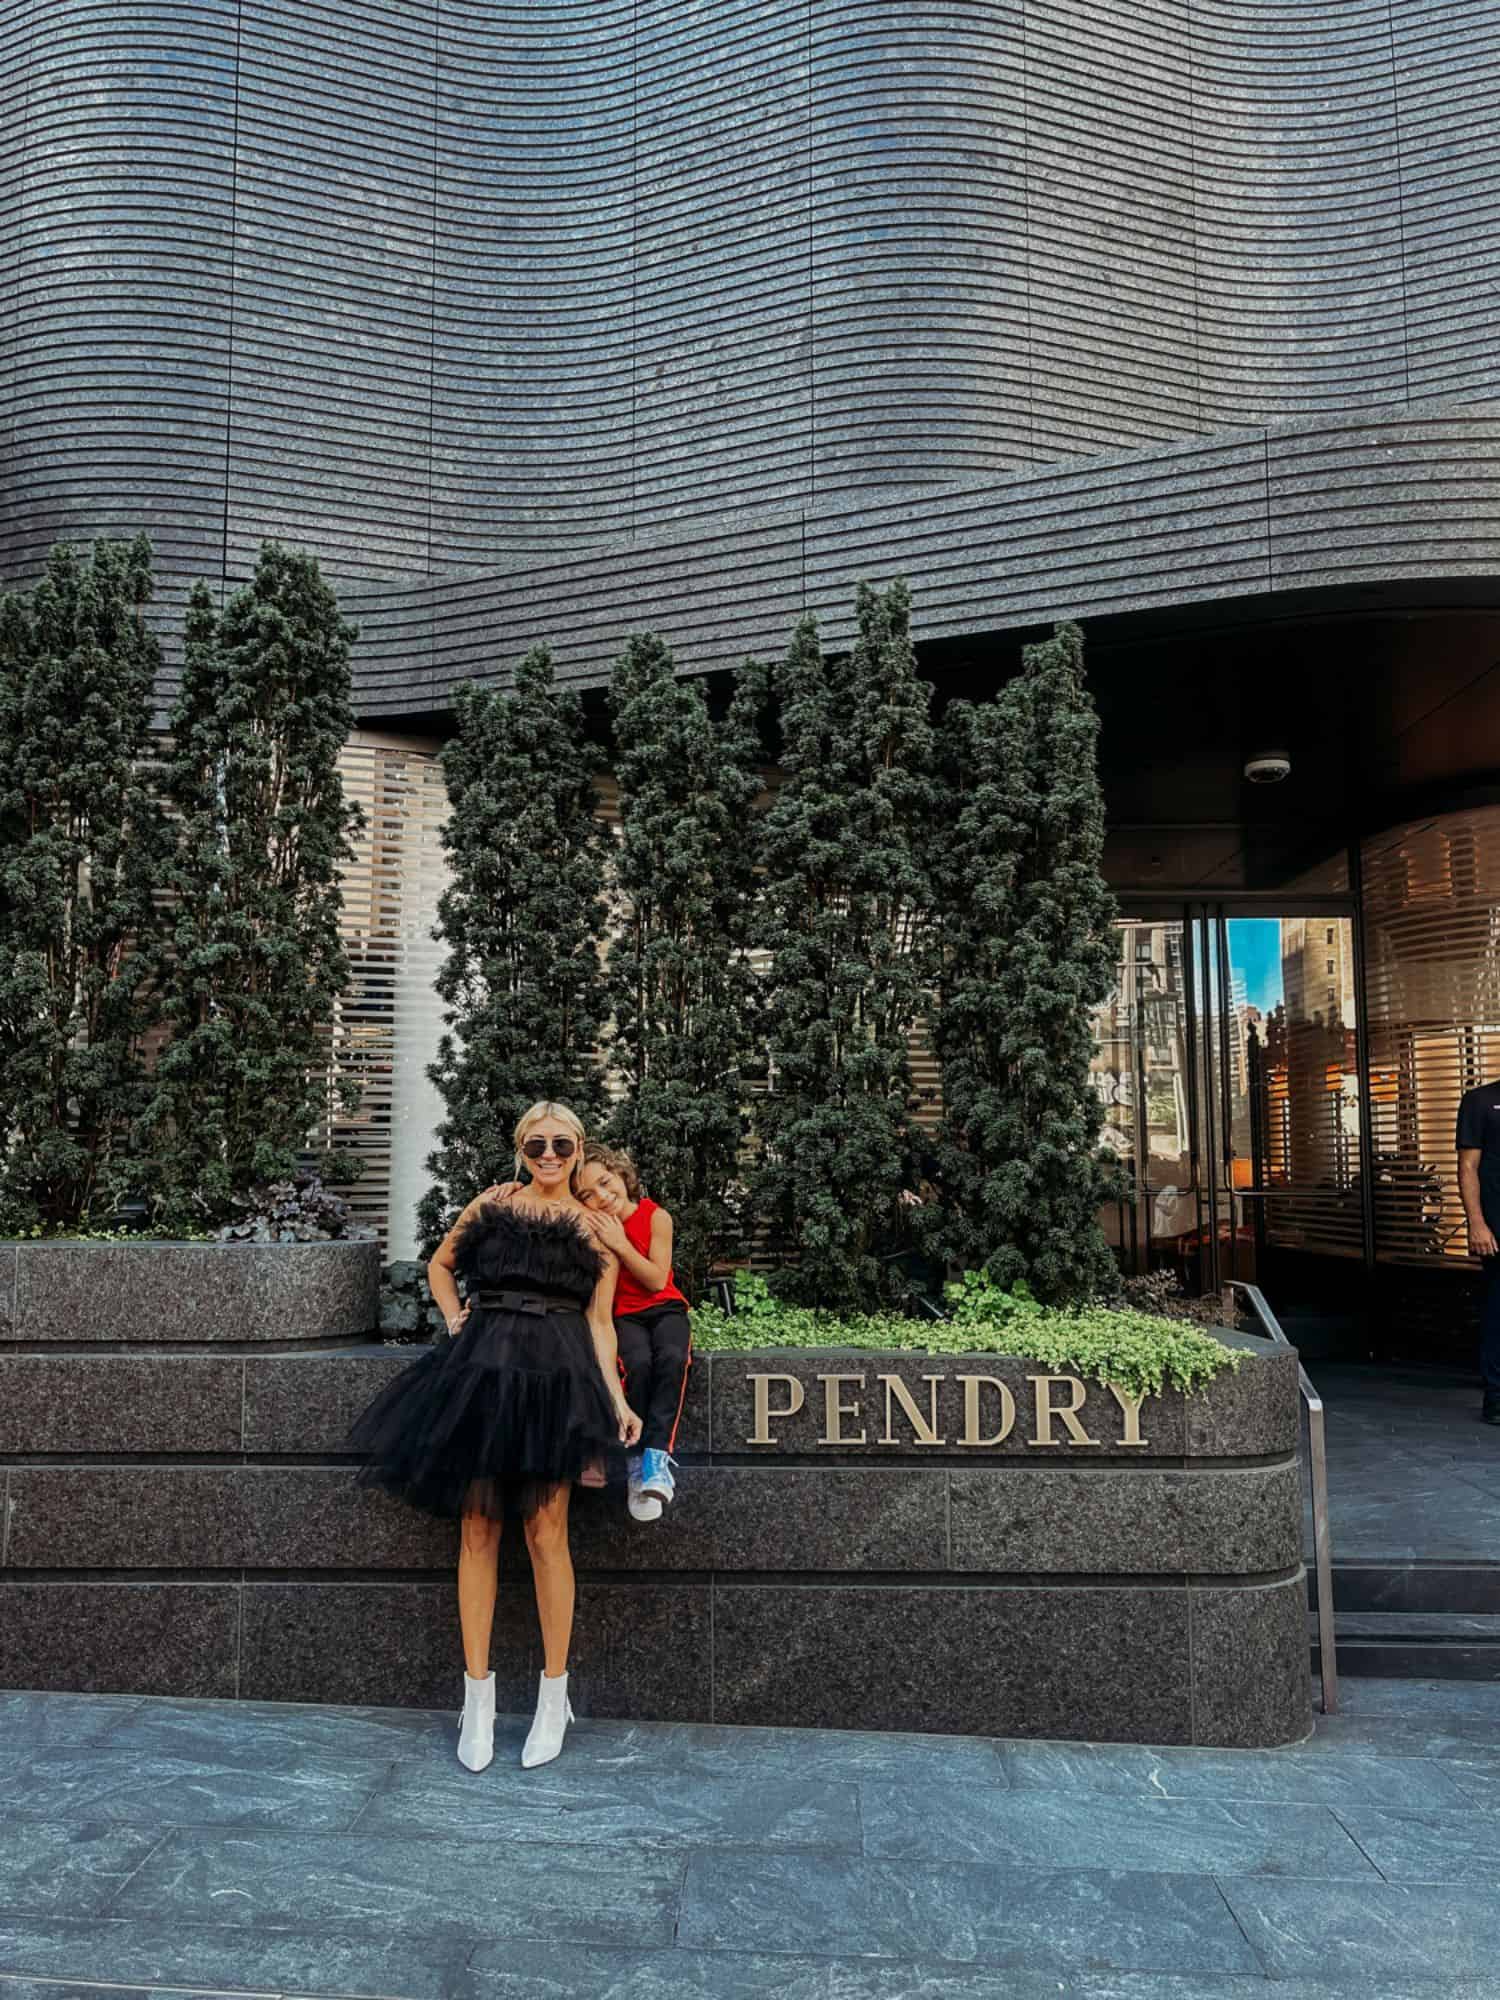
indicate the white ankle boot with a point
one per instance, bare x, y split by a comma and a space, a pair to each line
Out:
553, 1714
476, 1731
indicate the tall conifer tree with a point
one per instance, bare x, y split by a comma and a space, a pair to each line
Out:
1027, 949
81, 847
681, 985
256, 961
523, 917
841, 920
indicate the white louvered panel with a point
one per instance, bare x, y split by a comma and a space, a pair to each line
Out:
388, 1021
1432, 950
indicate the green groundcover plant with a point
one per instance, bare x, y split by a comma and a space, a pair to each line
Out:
1138, 1352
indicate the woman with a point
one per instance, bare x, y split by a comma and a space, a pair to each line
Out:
523, 1399
651, 1316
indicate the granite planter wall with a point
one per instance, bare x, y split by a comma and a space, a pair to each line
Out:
149, 1293
878, 1556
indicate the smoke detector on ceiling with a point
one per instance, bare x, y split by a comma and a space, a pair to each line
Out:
1268, 767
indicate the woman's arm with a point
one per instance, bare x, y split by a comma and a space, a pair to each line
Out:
652, 1271
440, 1269
606, 1348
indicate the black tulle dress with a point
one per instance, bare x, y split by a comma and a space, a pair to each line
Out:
513, 1406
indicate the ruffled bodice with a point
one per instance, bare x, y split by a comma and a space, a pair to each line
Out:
503, 1245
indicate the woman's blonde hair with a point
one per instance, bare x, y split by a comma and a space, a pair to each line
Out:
615, 1162
559, 1115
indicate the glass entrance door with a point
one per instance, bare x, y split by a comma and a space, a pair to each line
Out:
1226, 1061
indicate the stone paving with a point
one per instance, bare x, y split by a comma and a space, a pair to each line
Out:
1412, 1473
163, 1846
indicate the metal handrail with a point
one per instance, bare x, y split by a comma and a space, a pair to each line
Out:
1317, 1459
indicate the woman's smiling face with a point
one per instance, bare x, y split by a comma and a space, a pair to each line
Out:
596, 1187
552, 1169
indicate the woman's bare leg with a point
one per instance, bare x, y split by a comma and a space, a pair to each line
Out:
552, 1572
478, 1561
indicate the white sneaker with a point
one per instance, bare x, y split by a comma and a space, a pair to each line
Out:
553, 1714
476, 1726
643, 1506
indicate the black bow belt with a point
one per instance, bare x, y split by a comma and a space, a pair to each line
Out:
536, 1303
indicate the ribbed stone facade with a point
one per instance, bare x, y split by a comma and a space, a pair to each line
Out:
548, 320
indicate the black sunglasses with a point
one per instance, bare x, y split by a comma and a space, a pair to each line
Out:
537, 1149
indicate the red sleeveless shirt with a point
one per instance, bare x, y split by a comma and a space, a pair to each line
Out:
629, 1296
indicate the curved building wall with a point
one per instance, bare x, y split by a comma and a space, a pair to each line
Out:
539, 315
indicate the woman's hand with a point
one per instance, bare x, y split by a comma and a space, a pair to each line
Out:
608, 1229
502, 1191
630, 1423
455, 1323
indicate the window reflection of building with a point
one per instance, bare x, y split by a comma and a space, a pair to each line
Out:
1140, 1073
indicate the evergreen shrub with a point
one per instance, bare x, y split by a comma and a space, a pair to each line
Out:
82, 848
255, 963
684, 996
841, 920
522, 985
1140, 1353
1026, 949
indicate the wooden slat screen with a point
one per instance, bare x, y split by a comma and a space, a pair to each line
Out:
1432, 951
386, 1029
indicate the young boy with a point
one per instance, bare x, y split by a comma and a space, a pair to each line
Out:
651, 1317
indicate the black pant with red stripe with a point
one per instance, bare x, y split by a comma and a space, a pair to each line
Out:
655, 1354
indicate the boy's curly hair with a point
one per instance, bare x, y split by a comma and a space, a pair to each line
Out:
616, 1162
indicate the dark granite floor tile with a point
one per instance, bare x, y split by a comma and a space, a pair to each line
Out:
1093, 1521
1288, 1777
109, 1784
125, 1517
646, 1808
1251, 1680
307, 1402
1249, 1413
1479, 1781
120, 1402
999, 1915
749, 1517
50, 1869
32, 1722
638, 1649
1466, 1738
853, 1979
1164, 1836
1105, 1663
1459, 1847
273, 1736
1234, 1986
315, 1517
836, 1755
507, 1972
361, 1642
196, 1291
566, 1972
36, 1989
347, 1961
8, 1292
1354, 1931
120, 1638
1444, 1703
426, 1888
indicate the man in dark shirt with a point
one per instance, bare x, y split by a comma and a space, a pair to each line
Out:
1479, 1184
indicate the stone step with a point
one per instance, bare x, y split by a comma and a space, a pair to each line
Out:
1416, 1645
1414, 1586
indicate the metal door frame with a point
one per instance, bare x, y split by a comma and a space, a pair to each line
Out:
1206, 978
